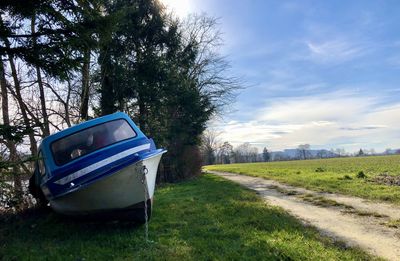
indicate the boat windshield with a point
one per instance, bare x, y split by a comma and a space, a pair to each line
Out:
91, 139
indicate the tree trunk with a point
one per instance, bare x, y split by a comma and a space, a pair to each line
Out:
85, 85
142, 113
22, 106
107, 98
66, 104
46, 126
31, 135
107, 94
10, 143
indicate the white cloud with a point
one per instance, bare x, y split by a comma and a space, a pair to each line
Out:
338, 106
334, 50
384, 115
340, 119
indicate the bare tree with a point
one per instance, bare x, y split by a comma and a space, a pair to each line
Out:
210, 68
209, 146
246, 153
16, 91
45, 124
304, 151
340, 152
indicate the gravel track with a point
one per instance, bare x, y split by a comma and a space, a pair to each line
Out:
365, 231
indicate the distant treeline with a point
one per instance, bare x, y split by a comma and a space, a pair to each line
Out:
215, 152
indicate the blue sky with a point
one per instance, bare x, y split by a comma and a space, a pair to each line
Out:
325, 73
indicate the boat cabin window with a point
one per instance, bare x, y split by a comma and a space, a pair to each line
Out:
91, 139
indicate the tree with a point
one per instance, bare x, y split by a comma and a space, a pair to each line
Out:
8, 139
55, 45
10, 136
303, 151
209, 145
166, 74
266, 155
47, 38
360, 153
58, 24
246, 153
340, 152
226, 153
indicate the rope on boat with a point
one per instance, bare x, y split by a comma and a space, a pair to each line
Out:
146, 195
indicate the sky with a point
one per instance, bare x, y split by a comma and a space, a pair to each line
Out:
325, 73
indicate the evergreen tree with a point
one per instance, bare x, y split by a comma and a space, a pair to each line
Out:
148, 68
266, 155
61, 30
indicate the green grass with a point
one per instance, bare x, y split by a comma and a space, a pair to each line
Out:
204, 219
331, 175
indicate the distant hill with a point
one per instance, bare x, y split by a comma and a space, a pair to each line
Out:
392, 151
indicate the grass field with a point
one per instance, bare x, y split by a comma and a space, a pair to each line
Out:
204, 219
331, 175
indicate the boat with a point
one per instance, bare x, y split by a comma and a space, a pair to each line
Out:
102, 167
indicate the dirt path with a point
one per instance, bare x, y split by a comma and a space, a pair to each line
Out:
352, 220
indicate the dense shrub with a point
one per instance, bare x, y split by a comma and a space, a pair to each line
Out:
361, 175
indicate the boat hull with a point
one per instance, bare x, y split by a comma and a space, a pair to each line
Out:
123, 190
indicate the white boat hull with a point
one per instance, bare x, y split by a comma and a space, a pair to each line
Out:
121, 190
